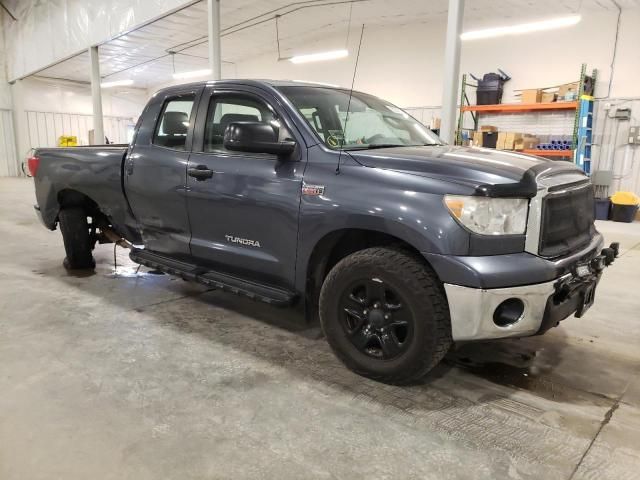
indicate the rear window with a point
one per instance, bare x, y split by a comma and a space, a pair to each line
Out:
172, 129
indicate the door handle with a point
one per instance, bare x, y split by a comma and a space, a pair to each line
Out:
201, 172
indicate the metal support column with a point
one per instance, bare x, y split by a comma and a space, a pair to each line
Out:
215, 63
451, 70
96, 95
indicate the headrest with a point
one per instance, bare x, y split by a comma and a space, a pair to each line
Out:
228, 118
175, 123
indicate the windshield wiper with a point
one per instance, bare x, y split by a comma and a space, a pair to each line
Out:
379, 145
391, 145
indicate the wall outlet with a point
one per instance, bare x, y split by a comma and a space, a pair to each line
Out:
634, 134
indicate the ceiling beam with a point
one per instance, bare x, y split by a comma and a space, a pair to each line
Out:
8, 11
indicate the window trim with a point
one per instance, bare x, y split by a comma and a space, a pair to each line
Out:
266, 97
223, 151
168, 99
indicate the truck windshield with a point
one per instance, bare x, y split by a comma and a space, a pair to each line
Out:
369, 122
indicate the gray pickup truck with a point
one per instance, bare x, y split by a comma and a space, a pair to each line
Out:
289, 192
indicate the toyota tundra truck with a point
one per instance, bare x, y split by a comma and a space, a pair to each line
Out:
287, 192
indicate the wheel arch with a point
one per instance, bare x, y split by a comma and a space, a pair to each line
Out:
69, 197
336, 245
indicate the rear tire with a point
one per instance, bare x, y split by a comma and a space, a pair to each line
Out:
385, 315
77, 239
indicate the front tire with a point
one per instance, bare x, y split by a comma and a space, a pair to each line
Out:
385, 315
78, 243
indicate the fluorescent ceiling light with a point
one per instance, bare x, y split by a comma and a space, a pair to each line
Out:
116, 83
317, 57
195, 73
522, 28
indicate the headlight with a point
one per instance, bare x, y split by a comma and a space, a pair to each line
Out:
489, 216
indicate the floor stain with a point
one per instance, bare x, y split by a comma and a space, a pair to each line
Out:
512, 364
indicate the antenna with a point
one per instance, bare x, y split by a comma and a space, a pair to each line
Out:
353, 81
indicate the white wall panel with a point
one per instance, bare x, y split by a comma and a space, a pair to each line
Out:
45, 128
611, 150
48, 31
8, 160
5, 92
403, 64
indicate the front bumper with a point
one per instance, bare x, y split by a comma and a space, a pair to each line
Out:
472, 310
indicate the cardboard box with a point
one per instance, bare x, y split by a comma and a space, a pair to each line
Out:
510, 140
531, 95
477, 139
488, 128
501, 139
568, 88
526, 142
548, 97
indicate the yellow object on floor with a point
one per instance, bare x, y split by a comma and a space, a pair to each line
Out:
625, 198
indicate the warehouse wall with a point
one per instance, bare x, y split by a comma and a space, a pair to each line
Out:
5, 94
8, 160
404, 65
51, 31
54, 108
55, 96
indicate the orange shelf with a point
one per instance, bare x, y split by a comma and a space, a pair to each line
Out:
549, 153
520, 107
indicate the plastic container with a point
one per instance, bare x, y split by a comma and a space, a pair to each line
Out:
625, 198
490, 87
623, 213
488, 96
624, 206
489, 139
603, 205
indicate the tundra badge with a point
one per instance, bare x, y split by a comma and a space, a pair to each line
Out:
243, 241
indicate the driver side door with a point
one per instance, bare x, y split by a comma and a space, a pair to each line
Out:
244, 216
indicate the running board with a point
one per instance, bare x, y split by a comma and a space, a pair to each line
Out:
223, 281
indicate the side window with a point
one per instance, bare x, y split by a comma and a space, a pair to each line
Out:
171, 131
228, 108
312, 115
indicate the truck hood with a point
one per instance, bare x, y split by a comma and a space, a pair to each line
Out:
491, 172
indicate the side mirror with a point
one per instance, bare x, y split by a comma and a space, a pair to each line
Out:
255, 137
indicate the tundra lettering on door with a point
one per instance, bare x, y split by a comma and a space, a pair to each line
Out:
243, 241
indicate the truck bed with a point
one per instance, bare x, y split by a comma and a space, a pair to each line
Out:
95, 171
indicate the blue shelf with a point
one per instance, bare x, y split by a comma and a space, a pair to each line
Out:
582, 155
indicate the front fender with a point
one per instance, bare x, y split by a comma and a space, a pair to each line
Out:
397, 204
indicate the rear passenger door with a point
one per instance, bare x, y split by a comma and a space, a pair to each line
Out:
156, 170
244, 216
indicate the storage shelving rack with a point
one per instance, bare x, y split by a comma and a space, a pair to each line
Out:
580, 150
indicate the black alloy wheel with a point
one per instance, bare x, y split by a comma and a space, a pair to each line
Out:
385, 314
376, 319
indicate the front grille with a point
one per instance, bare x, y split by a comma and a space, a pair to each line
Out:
567, 221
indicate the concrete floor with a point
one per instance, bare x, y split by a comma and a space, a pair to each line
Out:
120, 375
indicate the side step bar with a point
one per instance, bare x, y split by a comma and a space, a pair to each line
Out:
223, 281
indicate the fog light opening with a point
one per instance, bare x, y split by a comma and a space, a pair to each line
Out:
508, 312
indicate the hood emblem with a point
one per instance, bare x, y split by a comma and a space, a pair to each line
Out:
312, 190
